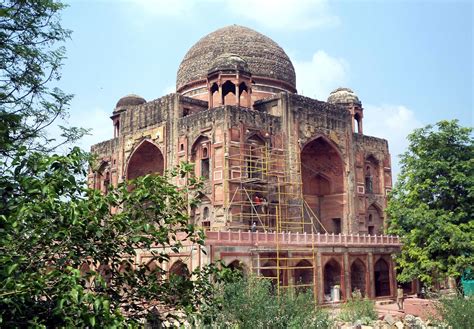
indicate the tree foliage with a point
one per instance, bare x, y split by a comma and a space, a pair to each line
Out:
431, 206
69, 259
31, 56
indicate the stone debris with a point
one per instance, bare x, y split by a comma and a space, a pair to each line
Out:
391, 322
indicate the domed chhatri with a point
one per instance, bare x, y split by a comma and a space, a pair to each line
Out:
343, 96
266, 60
130, 100
228, 62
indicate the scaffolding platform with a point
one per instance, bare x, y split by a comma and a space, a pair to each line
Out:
265, 195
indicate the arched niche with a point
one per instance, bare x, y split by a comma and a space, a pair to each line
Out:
102, 177
238, 267
146, 159
372, 175
358, 277
332, 276
200, 156
374, 220
382, 278
179, 269
254, 156
303, 275
270, 271
322, 170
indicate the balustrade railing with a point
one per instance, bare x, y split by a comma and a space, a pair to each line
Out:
295, 239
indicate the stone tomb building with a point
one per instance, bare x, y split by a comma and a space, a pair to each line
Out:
294, 190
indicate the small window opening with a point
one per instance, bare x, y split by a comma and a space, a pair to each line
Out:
204, 153
368, 180
205, 168
370, 218
181, 147
205, 213
371, 230
185, 112
337, 225
117, 129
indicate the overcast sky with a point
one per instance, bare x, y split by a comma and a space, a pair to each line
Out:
410, 62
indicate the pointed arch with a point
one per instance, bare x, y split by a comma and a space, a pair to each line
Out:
332, 276
358, 276
201, 155
382, 278
256, 138
374, 219
146, 159
372, 174
228, 93
102, 177
303, 275
179, 269
322, 170
239, 267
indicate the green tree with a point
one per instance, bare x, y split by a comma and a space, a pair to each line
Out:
30, 58
67, 256
68, 259
431, 206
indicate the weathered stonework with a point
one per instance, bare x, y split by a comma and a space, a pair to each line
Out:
238, 113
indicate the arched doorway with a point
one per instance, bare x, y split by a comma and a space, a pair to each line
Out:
322, 171
382, 278
358, 275
303, 275
332, 276
146, 159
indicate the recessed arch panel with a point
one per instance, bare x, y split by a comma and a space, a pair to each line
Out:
146, 159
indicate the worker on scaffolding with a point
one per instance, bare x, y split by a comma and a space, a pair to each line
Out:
254, 227
257, 202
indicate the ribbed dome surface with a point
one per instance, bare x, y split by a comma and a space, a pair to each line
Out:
265, 58
343, 96
229, 62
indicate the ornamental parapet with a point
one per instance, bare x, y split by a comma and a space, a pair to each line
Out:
289, 239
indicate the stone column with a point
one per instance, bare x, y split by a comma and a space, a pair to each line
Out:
346, 269
221, 97
210, 98
237, 94
319, 279
371, 283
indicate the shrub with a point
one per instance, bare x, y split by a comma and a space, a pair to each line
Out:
457, 312
252, 303
358, 309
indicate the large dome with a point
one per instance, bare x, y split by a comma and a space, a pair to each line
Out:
264, 57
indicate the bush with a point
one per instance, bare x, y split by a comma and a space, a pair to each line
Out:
457, 312
358, 309
252, 303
